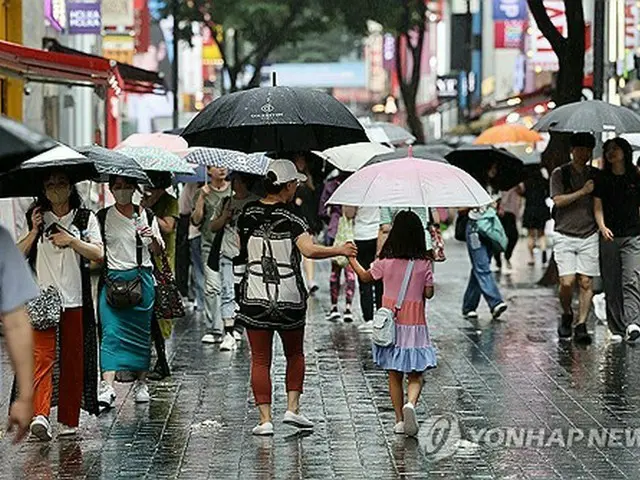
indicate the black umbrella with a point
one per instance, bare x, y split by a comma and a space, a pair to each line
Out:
274, 119
27, 179
590, 116
110, 162
18, 143
476, 160
426, 152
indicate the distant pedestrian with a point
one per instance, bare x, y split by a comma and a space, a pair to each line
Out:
617, 212
403, 255
535, 190
576, 242
273, 296
509, 211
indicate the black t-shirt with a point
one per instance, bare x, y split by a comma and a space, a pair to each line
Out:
620, 195
272, 292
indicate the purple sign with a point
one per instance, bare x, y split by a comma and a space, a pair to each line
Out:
389, 52
55, 14
510, 10
84, 18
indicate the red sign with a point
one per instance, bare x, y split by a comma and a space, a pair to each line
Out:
631, 24
509, 33
142, 21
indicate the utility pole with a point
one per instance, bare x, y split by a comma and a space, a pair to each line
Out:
598, 48
174, 66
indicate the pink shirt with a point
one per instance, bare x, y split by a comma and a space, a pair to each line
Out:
391, 271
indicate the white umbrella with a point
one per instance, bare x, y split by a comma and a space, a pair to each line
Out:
350, 158
411, 183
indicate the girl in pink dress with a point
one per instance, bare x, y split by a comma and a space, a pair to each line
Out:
413, 352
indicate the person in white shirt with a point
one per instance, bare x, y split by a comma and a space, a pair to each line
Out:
63, 237
130, 235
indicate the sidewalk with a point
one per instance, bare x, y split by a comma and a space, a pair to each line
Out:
494, 381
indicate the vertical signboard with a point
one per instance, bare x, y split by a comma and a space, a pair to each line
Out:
118, 13
84, 18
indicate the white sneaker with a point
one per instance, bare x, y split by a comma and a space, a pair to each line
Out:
366, 327
333, 315
499, 310
141, 392
633, 333
209, 338
263, 429
237, 336
508, 268
600, 306
41, 428
410, 420
107, 395
613, 337
228, 344
472, 315
66, 431
297, 420
399, 428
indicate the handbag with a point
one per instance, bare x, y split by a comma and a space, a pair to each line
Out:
460, 233
123, 294
168, 304
45, 311
384, 320
490, 228
438, 244
344, 234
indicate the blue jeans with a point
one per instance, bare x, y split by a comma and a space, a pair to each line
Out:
481, 281
197, 271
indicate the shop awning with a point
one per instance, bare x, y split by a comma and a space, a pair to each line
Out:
36, 65
136, 80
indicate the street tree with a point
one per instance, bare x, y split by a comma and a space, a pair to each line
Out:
248, 31
407, 21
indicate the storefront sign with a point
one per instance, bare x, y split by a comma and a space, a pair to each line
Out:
389, 52
118, 13
119, 48
55, 13
447, 86
142, 22
631, 25
508, 34
510, 10
84, 18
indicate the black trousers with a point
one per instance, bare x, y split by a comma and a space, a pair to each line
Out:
162, 364
183, 255
368, 291
510, 225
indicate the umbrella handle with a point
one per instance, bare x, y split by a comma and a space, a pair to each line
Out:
274, 79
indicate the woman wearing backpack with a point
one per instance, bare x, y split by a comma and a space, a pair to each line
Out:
405, 268
63, 237
273, 295
127, 295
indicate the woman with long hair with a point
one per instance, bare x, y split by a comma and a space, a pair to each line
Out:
617, 211
535, 191
63, 237
273, 297
130, 235
412, 353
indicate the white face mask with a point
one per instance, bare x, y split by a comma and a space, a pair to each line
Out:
123, 197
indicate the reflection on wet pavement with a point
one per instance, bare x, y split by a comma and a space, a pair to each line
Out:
503, 403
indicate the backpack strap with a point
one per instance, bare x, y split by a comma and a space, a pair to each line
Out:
405, 285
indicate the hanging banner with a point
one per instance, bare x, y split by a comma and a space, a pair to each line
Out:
509, 34
118, 13
84, 19
631, 25
510, 10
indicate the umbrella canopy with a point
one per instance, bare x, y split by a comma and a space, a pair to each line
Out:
274, 118
589, 116
350, 158
27, 179
434, 153
385, 132
252, 163
411, 183
507, 134
18, 143
476, 160
155, 159
109, 162
165, 141
199, 175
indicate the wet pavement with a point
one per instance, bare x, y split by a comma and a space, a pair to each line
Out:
507, 401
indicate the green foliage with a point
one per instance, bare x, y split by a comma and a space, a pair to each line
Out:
334, 45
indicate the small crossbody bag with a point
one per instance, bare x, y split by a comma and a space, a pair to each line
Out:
384, 320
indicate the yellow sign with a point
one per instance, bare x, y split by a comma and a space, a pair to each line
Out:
119, 48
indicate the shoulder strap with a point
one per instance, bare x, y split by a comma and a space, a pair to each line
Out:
139, 245
81, 219
405, 284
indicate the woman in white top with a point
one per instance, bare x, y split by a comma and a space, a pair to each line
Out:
130, 233
62, 238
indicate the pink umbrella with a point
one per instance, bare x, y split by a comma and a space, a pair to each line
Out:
165, 141
410, 182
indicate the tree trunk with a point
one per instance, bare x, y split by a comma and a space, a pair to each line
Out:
413, 119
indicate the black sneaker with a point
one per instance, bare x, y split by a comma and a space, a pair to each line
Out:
565, 327
544, 257
580, 334
348, 316
498, 310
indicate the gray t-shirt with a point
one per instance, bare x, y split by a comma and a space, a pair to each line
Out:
17, 285
230, 247
577, 219
210, 204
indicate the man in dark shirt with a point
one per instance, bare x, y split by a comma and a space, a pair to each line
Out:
576, 242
